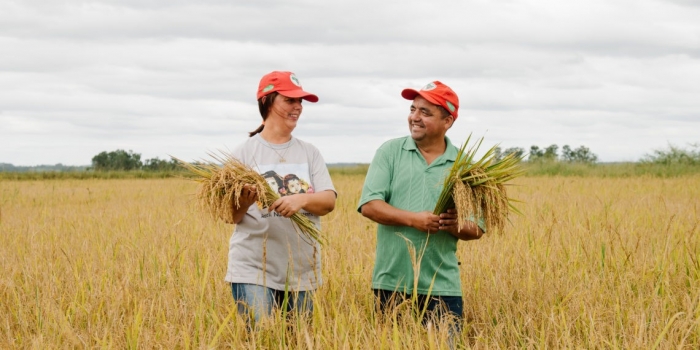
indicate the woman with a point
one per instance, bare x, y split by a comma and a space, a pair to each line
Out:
266, 255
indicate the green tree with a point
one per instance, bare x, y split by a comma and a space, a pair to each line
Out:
579, 155
518, 151
156, 164
497, 153
117, 160
500, 154
535, 153
674, 155
548, 154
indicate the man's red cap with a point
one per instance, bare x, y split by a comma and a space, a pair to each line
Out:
436, 93
286, 84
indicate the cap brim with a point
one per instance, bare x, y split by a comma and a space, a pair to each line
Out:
300, 94
411, 94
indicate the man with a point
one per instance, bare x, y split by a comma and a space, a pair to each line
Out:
401, 189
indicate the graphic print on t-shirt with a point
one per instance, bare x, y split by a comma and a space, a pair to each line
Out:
287, 179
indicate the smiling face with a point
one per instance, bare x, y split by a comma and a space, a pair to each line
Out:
285, 111
426, 121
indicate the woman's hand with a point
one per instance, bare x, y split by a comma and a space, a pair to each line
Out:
288, 205
248, 196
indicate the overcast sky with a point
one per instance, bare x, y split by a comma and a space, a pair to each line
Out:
174, 77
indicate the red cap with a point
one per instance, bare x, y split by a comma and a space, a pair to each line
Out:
436, 93
285, 83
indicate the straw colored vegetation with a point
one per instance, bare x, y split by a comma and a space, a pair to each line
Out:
221, 181
476, 187
591, 263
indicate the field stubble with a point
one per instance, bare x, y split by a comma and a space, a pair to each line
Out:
592, 263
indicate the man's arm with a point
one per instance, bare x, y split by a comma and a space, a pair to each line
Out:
383, 213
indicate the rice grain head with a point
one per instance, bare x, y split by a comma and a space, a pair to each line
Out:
477, 187
221, 183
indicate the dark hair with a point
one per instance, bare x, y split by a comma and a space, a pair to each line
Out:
264, 105
444, 111
291, 177
273, 174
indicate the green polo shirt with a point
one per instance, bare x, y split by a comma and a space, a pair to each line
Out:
400, 176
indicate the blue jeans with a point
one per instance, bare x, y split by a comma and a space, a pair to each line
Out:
439, 305
436, 309
259, 301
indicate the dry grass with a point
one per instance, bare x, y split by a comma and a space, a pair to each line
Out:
221, 183
592, 263
476, 187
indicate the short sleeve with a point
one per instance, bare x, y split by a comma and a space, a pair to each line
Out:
320, 177
378, 180
240, 153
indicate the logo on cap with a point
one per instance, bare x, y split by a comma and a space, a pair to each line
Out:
294, 80
450, 106
429, 87
268, 88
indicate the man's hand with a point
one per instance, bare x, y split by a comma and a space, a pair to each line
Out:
448, 222
425, 221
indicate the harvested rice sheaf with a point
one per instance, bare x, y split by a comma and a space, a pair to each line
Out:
477, 188
221, 182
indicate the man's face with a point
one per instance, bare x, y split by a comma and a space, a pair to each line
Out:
425, 121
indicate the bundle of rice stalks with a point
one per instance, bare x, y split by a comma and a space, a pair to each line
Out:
477, 188
220, 185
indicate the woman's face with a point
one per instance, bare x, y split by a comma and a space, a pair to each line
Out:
285, 111
273, 184
294, 186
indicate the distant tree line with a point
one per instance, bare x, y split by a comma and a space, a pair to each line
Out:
58, 167
123, 160
674, 155
582, 154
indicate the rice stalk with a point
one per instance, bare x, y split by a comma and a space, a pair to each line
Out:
221, 182
476, 188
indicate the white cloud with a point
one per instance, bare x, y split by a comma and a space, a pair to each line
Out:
177, 77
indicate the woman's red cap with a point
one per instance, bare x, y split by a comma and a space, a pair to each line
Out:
286, 84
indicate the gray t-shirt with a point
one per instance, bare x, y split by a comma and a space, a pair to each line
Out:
265, 248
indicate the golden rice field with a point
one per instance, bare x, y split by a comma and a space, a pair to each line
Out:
594, 263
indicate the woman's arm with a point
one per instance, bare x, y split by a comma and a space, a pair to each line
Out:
320, 203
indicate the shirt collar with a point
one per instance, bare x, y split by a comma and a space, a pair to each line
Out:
449, 155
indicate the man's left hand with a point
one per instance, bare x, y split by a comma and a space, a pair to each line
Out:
448, 222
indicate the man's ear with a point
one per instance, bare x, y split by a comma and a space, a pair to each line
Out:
449, 121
